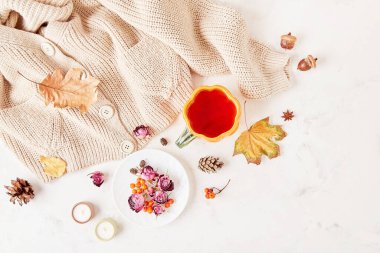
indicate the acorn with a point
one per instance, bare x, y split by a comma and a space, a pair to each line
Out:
288, 41
307, 63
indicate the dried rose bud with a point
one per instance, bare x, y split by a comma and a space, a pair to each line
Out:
148, 173
151, 191
158, 209
141, 132
165, 183
97, 178
142, 163
288, 41
307, 63
160, 197
136, 202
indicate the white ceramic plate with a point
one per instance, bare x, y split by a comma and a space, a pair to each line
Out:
164, 163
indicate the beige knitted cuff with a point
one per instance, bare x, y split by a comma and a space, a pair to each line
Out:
274, 76
276, 69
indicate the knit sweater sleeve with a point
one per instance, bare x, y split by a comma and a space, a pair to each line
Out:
211, 38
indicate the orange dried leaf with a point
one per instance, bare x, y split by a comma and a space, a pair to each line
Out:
258, 141
69, 90
53, 166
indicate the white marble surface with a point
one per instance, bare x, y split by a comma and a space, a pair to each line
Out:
320, 195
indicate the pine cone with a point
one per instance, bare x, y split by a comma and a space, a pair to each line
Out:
210, 164
21, 191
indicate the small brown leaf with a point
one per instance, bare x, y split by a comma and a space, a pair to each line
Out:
53, 166
69, 90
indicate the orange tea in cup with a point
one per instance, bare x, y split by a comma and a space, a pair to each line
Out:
211, 113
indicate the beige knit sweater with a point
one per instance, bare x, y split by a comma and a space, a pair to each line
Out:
141, 51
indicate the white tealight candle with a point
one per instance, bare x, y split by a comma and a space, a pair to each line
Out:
106, 229
82, 212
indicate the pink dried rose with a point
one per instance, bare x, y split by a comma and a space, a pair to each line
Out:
97, 178
148, 173
160, 197
165, 183
151, 191
158, 209
141, 132
136, 202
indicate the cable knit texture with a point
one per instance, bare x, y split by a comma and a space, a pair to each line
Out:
141, 51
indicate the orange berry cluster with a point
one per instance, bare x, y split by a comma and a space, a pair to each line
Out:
148, 206
139, 186
169, 203
209, 193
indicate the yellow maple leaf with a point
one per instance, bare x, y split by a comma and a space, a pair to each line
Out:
258, 141
53, 166
70, 90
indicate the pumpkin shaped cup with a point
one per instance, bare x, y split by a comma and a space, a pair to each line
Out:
211, 113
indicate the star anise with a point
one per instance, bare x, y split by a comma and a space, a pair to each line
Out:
288, 115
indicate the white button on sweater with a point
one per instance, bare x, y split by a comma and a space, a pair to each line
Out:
140, 50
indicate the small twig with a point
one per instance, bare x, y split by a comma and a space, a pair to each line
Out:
26, 78
36, 82
245, 115
41, 84
220, 190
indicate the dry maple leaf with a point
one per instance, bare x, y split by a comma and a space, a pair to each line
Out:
53, 166
69, 90
258, 141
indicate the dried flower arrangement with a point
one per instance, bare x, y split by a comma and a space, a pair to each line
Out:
150, 192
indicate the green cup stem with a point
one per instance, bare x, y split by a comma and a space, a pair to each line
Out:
185, 138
